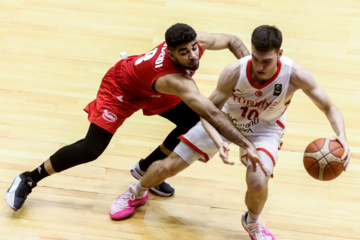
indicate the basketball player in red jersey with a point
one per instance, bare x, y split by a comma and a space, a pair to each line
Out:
158, 82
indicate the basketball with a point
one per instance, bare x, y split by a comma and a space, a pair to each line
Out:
322, 159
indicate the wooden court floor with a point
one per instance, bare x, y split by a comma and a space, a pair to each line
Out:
53, 56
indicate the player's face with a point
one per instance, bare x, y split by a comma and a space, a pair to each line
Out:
186, 55
264, 64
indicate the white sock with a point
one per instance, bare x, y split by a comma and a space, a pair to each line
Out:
140, 189
252, 218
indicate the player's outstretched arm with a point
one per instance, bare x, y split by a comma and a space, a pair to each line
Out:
217, 41
219, 96
186, 88
220, 144
304, 80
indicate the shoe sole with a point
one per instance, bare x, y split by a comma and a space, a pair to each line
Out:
161, 194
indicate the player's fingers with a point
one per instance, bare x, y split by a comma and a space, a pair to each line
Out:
346, 155
226, 161
262, 166
224, 155
346, 164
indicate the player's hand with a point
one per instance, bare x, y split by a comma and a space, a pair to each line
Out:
224, 153
346, 156
255, 159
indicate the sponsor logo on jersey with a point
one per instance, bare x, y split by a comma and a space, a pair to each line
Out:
244, 127
109, 116
261, 104
277, 89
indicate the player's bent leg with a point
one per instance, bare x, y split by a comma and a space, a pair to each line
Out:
257, 190
82, 151
184, 118
126, 203
255, 198
160, 170
163, 189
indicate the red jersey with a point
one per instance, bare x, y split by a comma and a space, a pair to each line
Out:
140, 72
127, 88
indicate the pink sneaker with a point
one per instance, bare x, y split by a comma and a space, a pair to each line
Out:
256, 231
126, 203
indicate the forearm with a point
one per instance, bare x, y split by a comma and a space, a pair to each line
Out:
212, 132
336, 121
226, 128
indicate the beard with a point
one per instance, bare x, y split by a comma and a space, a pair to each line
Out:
194, 67
190, 66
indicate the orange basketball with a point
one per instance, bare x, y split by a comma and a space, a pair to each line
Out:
322, 159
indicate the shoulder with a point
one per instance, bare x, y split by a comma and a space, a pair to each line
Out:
230, 75
233, 69
301, 77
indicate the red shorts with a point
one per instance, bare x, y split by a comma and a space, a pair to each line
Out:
113, 105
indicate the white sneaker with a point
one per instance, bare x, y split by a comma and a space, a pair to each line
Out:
256, 231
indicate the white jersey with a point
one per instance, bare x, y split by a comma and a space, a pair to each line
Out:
257, 111
260, 109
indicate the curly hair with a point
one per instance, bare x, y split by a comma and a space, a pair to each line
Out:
266, 38
179, 34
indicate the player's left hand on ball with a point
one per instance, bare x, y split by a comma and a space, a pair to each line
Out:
224, 153
346, 155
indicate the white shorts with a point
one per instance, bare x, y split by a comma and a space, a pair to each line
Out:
196, 144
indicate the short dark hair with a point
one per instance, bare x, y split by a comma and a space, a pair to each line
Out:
266, 38
179, 34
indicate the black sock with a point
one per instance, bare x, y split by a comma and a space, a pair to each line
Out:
157, 154
39, 173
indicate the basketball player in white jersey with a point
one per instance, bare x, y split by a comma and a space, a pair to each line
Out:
254, 91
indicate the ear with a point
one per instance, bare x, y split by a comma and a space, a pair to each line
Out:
280, 53
171, 55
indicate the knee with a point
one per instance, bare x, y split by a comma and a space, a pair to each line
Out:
90, 154
257, 186
169, 167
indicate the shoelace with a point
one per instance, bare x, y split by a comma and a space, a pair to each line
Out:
24, 190
259, 229
122, 201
